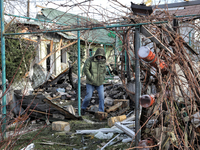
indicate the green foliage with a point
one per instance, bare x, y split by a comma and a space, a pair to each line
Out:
74, 56
19, 54
112, 34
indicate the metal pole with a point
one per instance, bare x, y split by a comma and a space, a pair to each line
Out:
116, 50
190, 38
3, 64
79, 72
137, 84
194, 15
95, 28
28, 9
28, 18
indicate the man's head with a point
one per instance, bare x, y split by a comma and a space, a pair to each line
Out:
100, 54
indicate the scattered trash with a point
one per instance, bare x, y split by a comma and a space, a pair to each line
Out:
101, 135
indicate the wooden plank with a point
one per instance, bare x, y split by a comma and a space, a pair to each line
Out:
67, 114
101, 115
125, 102
114, 107
51, 46
54, 98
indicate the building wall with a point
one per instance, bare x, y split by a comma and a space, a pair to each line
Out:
43, 53
57, 61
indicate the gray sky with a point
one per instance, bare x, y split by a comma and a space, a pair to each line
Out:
105, 7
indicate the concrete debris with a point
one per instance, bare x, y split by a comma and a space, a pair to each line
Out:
29, 147
61, 126
108, 101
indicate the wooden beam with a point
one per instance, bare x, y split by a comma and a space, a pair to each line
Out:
41, 112
29, 40
6, 27
46, 40
53, 53
56, 51
40, 6
51, 46
60, 43
114, 107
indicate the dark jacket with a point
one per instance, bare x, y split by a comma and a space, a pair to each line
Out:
94, 69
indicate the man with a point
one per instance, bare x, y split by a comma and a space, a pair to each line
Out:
95, 70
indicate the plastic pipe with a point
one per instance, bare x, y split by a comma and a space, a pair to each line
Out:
147, 100
147, 55
110, 141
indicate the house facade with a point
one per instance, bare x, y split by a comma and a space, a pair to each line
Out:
54, 49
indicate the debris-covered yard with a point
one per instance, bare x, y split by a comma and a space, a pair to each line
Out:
151, 88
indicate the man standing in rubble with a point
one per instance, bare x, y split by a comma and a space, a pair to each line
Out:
95, 70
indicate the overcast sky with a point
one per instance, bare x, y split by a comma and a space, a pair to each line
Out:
105, 7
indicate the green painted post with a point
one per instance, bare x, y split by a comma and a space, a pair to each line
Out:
116, 49
78, 29
79, 72
125, 55
3, 64
28, 18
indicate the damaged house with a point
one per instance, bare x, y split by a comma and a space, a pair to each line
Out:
55, 49
54, 67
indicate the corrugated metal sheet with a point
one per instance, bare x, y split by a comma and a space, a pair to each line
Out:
97, 36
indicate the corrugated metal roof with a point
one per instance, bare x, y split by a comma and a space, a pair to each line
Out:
97, 36
188, 10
